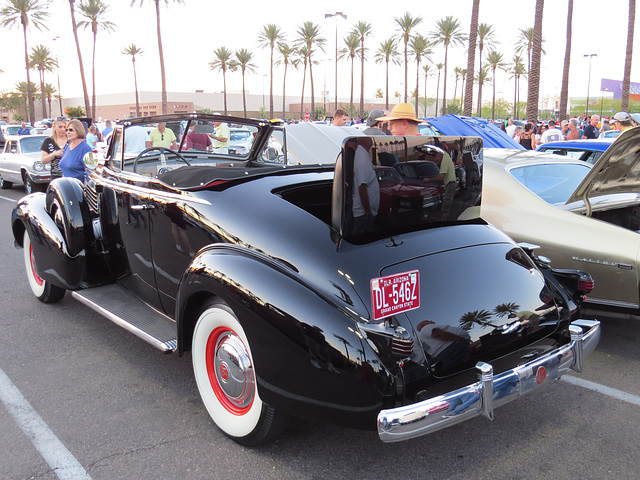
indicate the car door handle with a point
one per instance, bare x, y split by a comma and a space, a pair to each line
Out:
142, 206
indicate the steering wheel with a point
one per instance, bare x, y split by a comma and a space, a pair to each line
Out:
161, 150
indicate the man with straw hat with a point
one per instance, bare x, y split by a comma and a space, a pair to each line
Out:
402, 120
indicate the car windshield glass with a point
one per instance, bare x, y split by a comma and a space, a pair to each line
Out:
553, 182
31, 144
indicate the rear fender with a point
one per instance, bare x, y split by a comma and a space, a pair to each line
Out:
53, 261
309, 358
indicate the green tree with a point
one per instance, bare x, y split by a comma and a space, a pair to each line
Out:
517, 69
481, 78
309, 36
269, 37
471, 58
363, 30
533, 95
352, 42
25, 13
420, 50
495, 60
94, 11
564, 89
626, 81
223, 62
72, 112
486, 37
388, 53
42, 61
244, 58
163, 76
74, 27
448, 32
23, 90
133, 51
287, 58
406, 24
48, 92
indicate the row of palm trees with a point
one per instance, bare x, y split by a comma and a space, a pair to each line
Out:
302, 53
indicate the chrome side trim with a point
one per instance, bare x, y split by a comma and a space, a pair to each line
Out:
490, 391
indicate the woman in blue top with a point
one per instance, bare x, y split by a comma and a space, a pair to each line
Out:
77, 152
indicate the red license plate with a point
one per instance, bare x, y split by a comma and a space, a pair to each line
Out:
395, 294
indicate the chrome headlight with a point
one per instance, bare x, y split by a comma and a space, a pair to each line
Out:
38, 166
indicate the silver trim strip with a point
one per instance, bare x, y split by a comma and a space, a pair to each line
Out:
490, 391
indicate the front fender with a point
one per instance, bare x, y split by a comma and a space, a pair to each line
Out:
309, 358
65, 203
54, 263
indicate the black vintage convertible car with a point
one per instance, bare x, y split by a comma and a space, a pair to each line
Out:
257, 261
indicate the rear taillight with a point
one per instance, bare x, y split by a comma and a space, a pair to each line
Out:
585, 286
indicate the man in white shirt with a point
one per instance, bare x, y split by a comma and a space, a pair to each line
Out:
552, 134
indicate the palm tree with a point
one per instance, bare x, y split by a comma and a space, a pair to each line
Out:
525, 42
463, 79
480, 317
439, 67
42, 61
133, 51
626, 81
270, 36
23, 89
49, 90
420, 49
362, 30
481, 78
388, 53
505, 309
288, 55
309, 36
471, 57
223, 62
534, 73
405, 26
564, 89
486, 37
25, 13
94, 12
352, 42
457, 72
426, 70
74, 26
163, 76
244, 57
495, 60
448, 32
517, 70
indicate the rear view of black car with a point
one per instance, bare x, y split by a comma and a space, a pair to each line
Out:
292, 304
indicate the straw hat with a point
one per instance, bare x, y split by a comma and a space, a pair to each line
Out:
402, 111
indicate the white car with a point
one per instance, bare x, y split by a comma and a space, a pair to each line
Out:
20, 163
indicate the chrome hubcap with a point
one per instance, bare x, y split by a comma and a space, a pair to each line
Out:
233, 370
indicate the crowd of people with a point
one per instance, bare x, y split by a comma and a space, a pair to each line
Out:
531, 135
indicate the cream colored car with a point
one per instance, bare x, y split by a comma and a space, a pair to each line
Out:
582, 217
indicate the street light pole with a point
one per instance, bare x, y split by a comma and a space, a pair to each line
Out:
591, 55
58, 75
335, 16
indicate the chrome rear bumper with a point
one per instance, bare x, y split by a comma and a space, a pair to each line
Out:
481, 398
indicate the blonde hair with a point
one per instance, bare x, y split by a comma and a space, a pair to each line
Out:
54, 132
78, 127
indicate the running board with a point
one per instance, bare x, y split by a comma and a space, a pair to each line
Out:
127, 311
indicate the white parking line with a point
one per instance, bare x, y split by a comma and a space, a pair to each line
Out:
596, 387
63, 464
7, 198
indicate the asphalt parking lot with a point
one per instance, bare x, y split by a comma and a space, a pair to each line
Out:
82, 398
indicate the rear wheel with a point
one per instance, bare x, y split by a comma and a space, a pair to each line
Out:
224, 372
43, 290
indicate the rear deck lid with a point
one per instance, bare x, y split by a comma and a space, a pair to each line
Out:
473, 303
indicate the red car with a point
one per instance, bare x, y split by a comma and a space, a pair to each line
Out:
402, 198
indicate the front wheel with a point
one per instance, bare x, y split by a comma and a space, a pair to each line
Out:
43, 290
224, 371
5, 185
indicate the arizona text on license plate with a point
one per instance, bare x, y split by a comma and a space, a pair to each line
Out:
395, 294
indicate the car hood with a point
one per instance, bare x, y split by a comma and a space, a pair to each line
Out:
617, 170
491, 135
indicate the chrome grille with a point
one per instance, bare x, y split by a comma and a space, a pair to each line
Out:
91, 197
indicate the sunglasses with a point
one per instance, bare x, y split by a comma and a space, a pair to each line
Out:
62, 119
70, 129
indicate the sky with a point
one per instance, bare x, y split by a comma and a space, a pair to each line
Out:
192, 31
